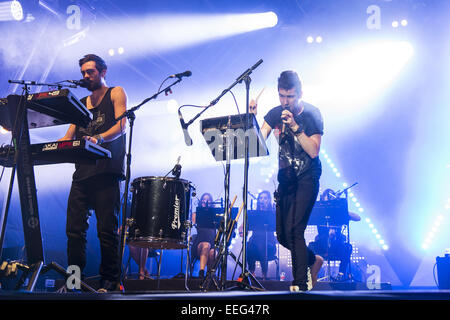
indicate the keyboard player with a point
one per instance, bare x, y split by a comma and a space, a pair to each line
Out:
96, 185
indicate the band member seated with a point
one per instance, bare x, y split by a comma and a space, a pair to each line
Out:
331, 243
261, 244
140, 256
203, 241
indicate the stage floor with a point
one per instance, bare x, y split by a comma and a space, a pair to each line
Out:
180, 289
173, 301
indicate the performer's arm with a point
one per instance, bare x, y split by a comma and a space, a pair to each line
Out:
70, 134
311, 144
265, 129
119, 100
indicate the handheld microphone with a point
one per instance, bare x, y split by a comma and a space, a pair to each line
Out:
187, 138
82, 83
180, 75
283, 129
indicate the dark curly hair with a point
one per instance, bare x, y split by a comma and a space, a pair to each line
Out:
100, 64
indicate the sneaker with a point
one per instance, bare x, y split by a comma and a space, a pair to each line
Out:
109, 286
294, 288
309, 282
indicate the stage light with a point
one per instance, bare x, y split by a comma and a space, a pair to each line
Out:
431, 234
11, 11
404, 22
310, 39
158, 33
395, 24
111, 52
319, 39
120, 50
358, 75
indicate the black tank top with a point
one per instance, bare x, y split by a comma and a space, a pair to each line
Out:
103, 119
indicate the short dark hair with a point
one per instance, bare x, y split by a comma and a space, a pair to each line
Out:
288, 80
99, 62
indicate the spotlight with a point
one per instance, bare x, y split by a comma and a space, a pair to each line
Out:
11, 10
310, 39
111, 52
404, 22
319, 39
120, 50
395, 24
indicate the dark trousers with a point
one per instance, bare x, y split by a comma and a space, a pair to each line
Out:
101, 193
294, 205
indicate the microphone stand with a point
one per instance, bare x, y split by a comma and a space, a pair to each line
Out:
245, 76
130, 115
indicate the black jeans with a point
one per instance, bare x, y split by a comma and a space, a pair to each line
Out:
294, 206
101, 193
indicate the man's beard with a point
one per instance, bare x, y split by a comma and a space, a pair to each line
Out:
94, 86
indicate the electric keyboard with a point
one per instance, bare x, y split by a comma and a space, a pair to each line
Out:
70, 151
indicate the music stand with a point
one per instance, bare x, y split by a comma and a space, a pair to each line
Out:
208, 217
329, 214
228, 139
262, 220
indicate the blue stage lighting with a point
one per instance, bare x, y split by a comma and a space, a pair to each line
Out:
351, 195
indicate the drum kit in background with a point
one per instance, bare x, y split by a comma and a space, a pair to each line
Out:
160, 212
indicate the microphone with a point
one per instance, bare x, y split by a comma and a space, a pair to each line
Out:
180, 75
187, 138
283, 129
82, 83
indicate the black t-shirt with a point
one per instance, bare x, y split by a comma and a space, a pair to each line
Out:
293, 161
103, 119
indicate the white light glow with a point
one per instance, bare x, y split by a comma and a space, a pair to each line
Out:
11, 10
356, 75
168, 32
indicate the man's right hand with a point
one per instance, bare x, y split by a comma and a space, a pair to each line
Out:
253, 107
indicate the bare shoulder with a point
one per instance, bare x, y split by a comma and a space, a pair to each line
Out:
118, 91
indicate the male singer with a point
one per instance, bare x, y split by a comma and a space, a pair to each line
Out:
298, 127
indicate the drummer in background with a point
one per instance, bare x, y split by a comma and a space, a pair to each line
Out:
203, 241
